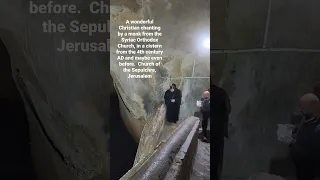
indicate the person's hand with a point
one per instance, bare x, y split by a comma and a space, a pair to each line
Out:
286, 140
173, 100
199, 104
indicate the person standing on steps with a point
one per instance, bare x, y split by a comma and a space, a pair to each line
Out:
172, 99
219, 116
305, 141
205, 111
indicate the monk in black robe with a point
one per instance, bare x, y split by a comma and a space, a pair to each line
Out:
219, 117
172, 98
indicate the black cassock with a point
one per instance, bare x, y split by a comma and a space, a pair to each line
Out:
220, 110
173, 108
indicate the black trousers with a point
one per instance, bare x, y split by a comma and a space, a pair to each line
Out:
306, 168
217, 134
216, 158
205, 119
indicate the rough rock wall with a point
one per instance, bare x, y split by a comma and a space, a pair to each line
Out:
69, 91
264, 84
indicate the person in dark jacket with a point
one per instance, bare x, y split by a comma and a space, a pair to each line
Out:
220, 110
172, 99
305, 147
205, 111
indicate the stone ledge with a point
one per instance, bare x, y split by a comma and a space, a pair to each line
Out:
183, 163
165, 159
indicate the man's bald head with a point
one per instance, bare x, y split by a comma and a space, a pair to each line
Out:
309, 103
206, 94
309, 98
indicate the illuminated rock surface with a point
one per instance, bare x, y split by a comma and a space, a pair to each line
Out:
183, 33
70, 91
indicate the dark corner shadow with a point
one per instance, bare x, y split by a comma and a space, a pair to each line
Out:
283, 167
15, 152
123, 147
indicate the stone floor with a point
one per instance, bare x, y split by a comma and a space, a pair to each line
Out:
167, 130
201, 167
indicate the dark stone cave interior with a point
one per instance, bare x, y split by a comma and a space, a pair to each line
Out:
123, 147
16, 161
